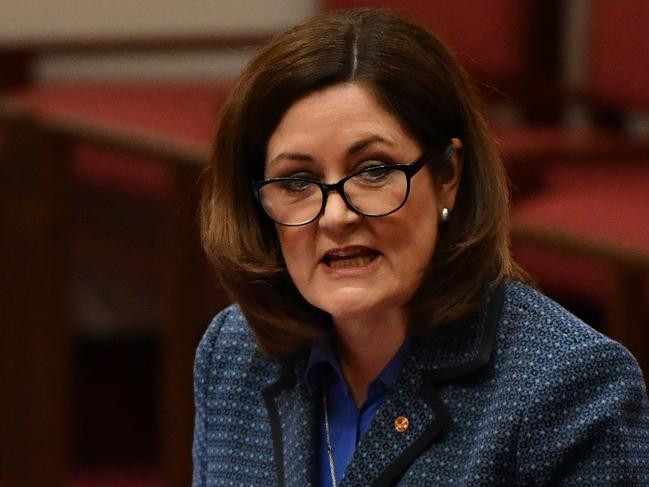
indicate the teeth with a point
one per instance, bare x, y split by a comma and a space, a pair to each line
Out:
351, 261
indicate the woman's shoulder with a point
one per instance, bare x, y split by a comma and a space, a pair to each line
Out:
541, 335
228, 327
228, 323
534, 316
228, 338
581, 395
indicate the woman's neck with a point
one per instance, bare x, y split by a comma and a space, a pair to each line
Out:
365, 347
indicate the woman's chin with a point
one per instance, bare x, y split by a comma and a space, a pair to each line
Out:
354, 304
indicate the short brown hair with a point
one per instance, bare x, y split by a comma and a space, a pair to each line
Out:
418, 80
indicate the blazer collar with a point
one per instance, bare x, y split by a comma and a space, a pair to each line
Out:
456, 350
460, 348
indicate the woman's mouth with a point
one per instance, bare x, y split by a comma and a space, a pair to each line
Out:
349, 257
351, 261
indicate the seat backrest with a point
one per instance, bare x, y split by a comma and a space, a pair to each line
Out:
618, 53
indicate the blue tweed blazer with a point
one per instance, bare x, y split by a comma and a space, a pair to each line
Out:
523, 393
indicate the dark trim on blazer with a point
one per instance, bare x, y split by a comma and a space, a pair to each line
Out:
392, 473
287, 379
492, 318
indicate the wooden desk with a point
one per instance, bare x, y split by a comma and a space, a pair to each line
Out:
35, 179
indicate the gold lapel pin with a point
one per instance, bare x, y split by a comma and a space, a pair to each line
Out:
401, 424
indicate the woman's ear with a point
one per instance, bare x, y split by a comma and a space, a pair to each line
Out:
449, 184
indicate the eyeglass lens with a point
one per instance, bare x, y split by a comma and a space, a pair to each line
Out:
373, 192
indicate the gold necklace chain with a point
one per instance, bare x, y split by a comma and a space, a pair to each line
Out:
330, 450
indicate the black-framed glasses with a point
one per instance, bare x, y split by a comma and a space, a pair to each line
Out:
374, 191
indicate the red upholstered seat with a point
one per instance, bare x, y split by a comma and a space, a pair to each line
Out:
184, 113
603, 205
604, 200
527, 151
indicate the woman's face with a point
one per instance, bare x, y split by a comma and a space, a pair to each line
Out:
346, 264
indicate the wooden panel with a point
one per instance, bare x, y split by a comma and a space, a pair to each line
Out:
183, 326
35, 341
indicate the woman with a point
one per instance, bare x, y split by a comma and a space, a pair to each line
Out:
358, 213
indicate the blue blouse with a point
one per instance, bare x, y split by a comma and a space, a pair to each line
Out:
347, 422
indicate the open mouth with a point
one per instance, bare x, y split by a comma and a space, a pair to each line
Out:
343, 258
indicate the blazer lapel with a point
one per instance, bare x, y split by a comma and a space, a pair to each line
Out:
456, 350
384, 452
292, 413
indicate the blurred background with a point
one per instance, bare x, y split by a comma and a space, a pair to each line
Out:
106, 114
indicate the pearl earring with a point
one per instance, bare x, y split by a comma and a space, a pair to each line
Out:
444, 214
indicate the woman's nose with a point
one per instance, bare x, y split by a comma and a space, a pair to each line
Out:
336, 212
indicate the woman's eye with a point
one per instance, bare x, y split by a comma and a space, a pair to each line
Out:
371, 164
294, 185
375, 174
300, 175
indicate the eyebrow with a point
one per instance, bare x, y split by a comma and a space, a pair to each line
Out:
355, 148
